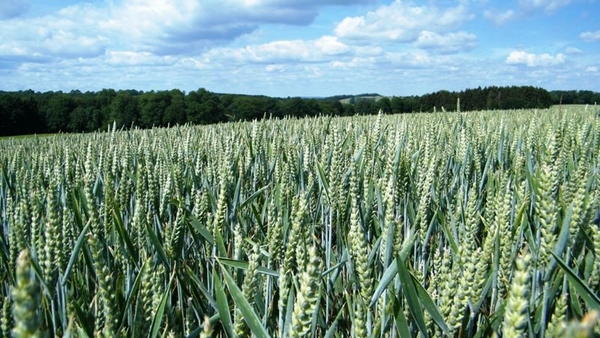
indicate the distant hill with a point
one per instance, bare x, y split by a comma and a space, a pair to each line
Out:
354, 98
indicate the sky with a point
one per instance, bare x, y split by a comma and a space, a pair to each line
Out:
308, 48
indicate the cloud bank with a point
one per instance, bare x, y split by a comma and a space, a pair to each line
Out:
534, 60
247, 46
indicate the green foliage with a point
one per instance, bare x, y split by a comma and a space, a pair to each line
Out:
28, 112
467, 224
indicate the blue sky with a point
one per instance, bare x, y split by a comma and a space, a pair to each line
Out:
298, 47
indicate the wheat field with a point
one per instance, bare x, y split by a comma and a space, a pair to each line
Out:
472, 224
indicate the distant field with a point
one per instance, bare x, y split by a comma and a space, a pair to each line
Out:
577, 106
25, 136
472, 224
357, 98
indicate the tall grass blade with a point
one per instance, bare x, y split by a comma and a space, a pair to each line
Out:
251, 318
410, 294
158, 317
591, 300
223, 306
75, 254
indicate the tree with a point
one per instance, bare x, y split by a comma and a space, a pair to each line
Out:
27, 112
397, 105
204, 107
332, 107
8, 124
244, 107
585, 97
299, 107
124, 110
78, 120
19, 114
176, 111
58, 111
365, 107
384, 104
152, 107
349, 110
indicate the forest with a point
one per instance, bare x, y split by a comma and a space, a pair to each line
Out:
29, 112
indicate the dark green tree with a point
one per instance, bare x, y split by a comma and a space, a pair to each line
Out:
204, 107
176, 112
332, 107
397, 105
384, 104
152, 107
365, 107
58, 111
124, 110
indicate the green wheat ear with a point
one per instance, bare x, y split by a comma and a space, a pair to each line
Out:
308, 295
207, 331
6, 317
26, 295
516, 314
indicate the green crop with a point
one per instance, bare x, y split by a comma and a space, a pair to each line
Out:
459, 224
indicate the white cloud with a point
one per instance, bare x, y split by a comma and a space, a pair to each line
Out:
411, 60
499, 17
573, 50
590, 36
190, 26
130, 58
284, 51
362, 62
161, 27
446, 43
402, 48
330, 45
144, 18
63, 34
534, 60
401, 22
412, 72
421, 60
542, 5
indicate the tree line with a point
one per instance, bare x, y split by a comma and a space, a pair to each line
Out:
29, 112
575, 97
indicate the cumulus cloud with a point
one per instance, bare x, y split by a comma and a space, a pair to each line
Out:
534, 60
354, 62
130, 58
404, 47
446, 43
499, 17
161, 27
411, 60
418, 60
63, 34
284, 51
590, 36
181, 26
401, 22
191, 26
